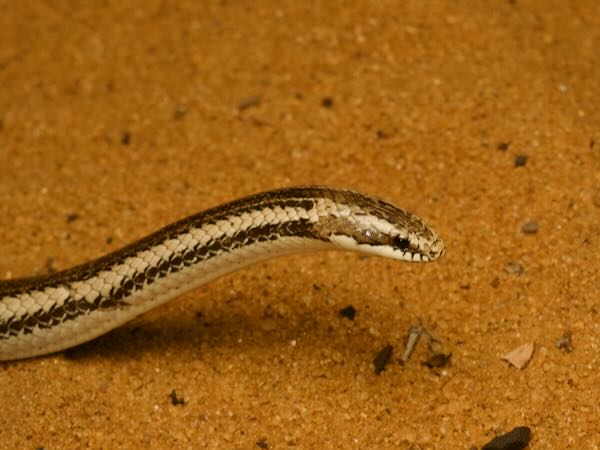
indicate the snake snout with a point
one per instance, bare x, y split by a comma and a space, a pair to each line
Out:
436, 249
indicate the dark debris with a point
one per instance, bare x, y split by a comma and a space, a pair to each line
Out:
516, 439
436, 354
382, 358
521, 160
437, 360
262, 443
250, 102
180, 112
495, 282
530, 227
327, 102
175, 401
565, 342
126, 138
73, 217
349, 312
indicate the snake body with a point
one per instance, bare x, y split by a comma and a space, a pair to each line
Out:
46, 314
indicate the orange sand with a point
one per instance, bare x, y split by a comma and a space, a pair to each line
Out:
134, 114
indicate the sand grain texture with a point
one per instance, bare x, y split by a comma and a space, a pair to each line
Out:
117, 118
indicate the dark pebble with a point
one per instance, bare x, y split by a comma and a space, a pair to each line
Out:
503, 146
516, 439
179, 113
349, 312
327, 102
382, 358
126, 138
530, 227
73, 217
262, 443
520, 160
495, 282
384, 134
438, 360
249, 102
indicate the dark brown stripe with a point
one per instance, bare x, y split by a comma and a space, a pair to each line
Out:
73, 308
299, 197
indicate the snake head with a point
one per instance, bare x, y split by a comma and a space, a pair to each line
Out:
369, 225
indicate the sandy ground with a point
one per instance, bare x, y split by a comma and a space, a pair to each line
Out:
118, 117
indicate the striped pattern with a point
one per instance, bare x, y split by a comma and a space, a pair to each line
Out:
45, 314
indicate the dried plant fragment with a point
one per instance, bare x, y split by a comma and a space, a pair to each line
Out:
520, 356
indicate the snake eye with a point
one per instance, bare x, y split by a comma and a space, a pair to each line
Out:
401, 243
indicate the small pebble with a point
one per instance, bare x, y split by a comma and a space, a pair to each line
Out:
503, 146
349, 312
520, 160
126, 138
514, 268
327, 102
179, 113
437, 360
436, 355
73, 217
516, 439
565, 342
530, 227
249, 102
385, 133
262, 443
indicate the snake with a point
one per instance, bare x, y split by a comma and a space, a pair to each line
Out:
44, 314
